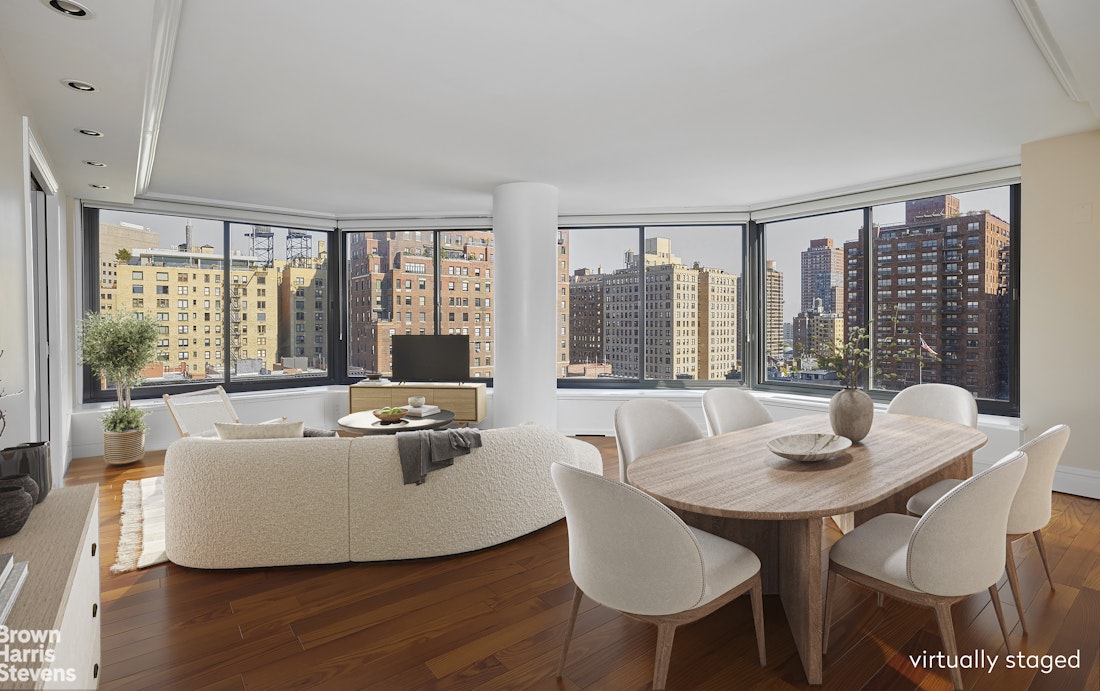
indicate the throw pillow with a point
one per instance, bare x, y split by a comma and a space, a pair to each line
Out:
273, 430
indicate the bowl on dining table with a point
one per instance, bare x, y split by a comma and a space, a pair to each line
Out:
808, 448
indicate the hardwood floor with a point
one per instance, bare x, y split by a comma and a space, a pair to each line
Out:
494, 619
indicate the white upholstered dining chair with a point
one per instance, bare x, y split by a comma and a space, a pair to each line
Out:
1030, 511
629, 552
729, 410
953, 551
940, 401
643, 425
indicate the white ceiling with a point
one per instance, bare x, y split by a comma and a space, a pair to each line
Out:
422, 107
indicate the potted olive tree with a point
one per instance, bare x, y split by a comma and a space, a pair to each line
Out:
117, 346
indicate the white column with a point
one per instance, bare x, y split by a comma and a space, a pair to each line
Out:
525, 242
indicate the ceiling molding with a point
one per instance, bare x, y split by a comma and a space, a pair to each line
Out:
40, 165
166, 20
1040, 33
943, 181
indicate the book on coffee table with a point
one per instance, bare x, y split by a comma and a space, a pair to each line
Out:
422, 411
9, 590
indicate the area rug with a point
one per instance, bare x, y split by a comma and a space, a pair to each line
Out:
141, 536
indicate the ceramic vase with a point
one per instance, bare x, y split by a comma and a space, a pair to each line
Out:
29, 459
24, 481
851, 412
15, 508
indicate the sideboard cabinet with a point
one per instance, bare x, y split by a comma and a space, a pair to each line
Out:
466, 401
60, 597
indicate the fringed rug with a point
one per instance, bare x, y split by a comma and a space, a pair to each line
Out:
141, 537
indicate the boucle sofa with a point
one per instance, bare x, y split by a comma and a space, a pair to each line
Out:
276, 502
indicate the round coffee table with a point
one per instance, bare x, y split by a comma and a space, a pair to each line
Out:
366, 423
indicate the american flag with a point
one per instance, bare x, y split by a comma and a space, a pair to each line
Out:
925, 346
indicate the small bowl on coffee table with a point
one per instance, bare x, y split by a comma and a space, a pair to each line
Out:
388, 418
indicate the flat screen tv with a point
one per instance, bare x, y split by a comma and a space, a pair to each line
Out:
431, 358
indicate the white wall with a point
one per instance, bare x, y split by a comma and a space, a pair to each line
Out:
319, 407
1059, 294
15, 364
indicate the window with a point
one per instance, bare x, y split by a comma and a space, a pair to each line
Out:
988, 214
901, 326
682, 326
805, 293
408, 263
253, 254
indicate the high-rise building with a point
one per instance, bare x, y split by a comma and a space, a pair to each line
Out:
182, 290
690, 323
718, 330
563, 288
391, 287
822, 276
773, 311
586, 317
940, 281
816, 328
303, 313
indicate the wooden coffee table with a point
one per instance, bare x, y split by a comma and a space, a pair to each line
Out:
366, 423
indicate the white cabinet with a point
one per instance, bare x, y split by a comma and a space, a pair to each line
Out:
59, 602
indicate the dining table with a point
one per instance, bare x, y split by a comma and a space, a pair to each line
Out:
732, 485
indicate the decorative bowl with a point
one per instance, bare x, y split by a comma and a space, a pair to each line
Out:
388, 417
809, 447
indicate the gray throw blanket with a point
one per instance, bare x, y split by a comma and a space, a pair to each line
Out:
423, 451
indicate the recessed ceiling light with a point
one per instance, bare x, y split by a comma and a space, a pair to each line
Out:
95, 164
89, 133
78, 85
69, 8
99, 187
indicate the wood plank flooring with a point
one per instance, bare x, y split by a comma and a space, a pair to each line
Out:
494, 619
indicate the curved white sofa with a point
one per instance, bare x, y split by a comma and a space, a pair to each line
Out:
277, 502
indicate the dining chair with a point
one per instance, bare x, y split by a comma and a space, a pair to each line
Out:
940, 401
729, 410
955, 550
1030, 511
643, 425
196, 412
629, 552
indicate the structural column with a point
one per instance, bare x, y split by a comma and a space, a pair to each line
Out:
525, 236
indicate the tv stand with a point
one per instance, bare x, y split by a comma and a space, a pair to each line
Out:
466, 400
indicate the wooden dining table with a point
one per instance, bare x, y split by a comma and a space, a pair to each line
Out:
732, 485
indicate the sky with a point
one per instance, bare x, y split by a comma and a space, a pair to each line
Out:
205, 231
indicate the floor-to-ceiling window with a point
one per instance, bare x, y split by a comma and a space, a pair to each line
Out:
242, 305
653, 304
933, 282
418, 282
